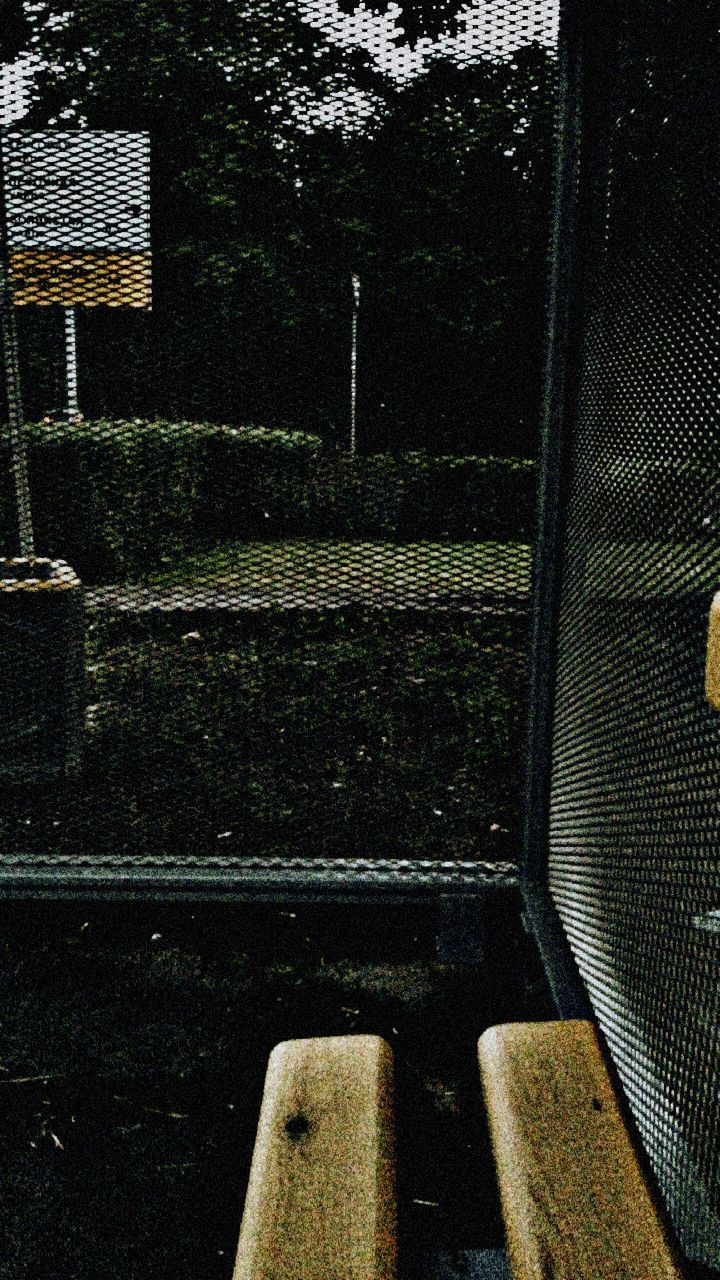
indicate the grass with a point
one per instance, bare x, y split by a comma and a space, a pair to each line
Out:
360, 571
347, 734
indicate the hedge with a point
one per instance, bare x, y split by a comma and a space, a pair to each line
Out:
120, 499
642, 497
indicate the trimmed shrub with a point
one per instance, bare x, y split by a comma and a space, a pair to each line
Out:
119, 500
417, 496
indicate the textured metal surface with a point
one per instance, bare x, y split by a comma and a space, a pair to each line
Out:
325, 420
213, 876
635, 781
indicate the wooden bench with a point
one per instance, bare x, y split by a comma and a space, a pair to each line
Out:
575, 1203
320, 1203
321, 1197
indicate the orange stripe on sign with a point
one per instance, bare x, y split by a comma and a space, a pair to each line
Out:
81, 279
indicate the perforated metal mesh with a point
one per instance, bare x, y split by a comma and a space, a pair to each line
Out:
279, 284
635, 822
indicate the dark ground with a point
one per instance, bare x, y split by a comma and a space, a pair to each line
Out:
353, 734
132, 1055
133, 1041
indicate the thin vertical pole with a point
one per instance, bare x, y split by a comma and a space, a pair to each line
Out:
353, 364
73, 410
8, 327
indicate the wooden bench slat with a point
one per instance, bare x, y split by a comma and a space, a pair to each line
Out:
320, 1203
575, 1203
712, 661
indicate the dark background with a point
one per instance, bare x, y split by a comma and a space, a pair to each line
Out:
134, 1039
437, 195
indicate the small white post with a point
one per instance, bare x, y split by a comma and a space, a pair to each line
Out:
353, 364
73, 409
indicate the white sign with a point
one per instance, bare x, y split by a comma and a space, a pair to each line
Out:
81, 190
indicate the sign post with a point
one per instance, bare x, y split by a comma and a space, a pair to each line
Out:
78, 215
78, 221
74, 231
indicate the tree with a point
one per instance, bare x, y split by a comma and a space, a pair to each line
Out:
282, 162
14, 29
449, 210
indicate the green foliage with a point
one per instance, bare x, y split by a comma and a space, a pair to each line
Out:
414, 496
116, 499
423, 574
14, 29
261, 207
121, 500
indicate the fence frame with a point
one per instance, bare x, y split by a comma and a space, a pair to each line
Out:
584, 108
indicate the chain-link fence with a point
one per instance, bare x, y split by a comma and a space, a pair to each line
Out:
279, 287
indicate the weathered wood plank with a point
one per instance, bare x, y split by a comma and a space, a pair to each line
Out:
575, 1203
320, 1203
712, 663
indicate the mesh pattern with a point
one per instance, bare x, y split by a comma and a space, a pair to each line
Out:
77, 208
319, 575
247, 877
635, 814
298, 488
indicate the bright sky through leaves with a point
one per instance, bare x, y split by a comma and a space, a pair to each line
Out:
480, 29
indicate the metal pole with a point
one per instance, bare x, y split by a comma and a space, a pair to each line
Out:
353, 364
587, 57
73, 410
16, 422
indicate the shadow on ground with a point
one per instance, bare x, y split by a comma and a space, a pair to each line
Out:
133, 1049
